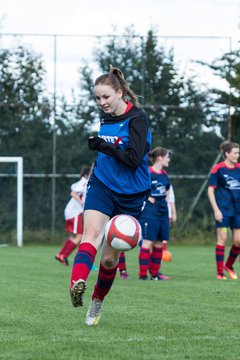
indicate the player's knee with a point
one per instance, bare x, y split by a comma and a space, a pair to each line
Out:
110, 262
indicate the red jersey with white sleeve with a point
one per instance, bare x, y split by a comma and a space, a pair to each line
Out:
74, 207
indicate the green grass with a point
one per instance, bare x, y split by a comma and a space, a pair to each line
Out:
192, 316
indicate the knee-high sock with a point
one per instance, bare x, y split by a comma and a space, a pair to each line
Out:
233, 254
143, 257
63, 248
156, 258
219, 251
67, 248
83, 262
104, 282
122, 262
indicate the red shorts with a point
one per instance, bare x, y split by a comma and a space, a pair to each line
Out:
75, 225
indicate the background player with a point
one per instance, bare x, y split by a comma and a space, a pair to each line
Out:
155, 219
73, 216
224, 196
172, 214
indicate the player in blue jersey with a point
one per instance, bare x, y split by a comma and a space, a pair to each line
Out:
155, 218
224, 196
119, 184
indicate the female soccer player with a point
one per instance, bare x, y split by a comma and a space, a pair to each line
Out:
172, 215
224, 196
73, 216
155, 219
119, 184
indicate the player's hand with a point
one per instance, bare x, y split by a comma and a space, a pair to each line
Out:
94, 142
152, 200
218, 215
174, 218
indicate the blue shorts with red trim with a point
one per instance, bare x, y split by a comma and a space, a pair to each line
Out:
99, 197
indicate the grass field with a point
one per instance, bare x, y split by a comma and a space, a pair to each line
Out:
192, 316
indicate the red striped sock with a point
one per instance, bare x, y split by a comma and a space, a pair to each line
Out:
122, 262
233, 254
83, 262
143, 257
219, 251
156, 258
65, 245
104, 282
68, 248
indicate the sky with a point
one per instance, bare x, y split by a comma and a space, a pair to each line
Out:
196, 29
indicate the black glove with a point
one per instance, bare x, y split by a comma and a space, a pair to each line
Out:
94, 142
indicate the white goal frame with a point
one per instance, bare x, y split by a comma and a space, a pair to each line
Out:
19, 162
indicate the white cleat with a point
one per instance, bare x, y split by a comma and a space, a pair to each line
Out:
94, 312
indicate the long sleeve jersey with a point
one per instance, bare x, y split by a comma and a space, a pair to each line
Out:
122, 162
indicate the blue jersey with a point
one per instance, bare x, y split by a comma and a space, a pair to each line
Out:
226, 182
159, 185
122, 161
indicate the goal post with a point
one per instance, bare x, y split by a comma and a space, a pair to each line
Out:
19, 163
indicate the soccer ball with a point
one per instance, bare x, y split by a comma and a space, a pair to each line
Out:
123, 232
166, 256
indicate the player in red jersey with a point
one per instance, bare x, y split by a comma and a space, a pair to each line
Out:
224, 196
73, 215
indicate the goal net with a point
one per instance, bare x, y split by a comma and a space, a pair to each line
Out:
12, 167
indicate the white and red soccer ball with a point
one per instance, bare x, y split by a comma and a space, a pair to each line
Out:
123, 232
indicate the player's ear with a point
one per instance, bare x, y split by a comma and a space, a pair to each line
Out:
120, 93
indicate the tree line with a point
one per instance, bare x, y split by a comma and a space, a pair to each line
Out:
185, 117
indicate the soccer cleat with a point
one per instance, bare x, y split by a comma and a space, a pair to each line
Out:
159, 277
123, 274
155, 277
94, 268
221, 277
62, 259
144, 277
231, 273
163, 277
94, 312
77, 291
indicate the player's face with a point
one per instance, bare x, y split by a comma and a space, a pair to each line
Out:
233, 155
165, 160
108, 99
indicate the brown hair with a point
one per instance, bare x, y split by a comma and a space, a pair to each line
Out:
227, 146
158, 151
116, 80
